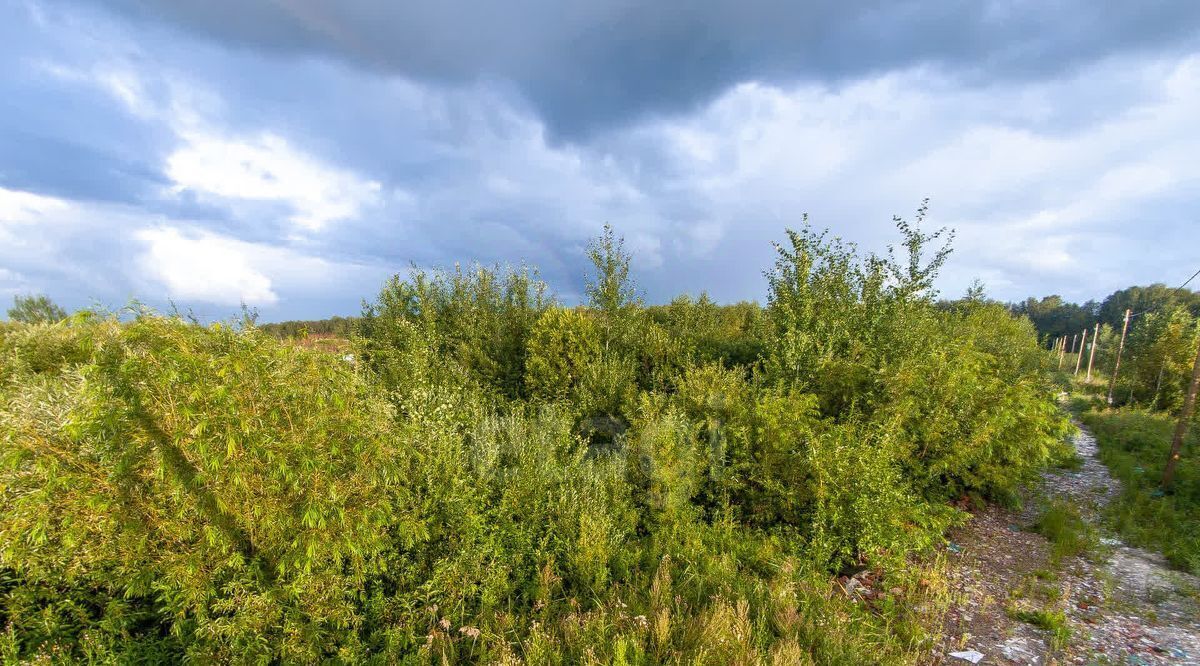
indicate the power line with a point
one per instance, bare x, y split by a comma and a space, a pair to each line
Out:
1173, 295
1185, 282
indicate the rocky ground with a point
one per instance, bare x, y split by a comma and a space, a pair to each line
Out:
1014, 605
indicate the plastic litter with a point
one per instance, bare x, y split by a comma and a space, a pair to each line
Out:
972, 656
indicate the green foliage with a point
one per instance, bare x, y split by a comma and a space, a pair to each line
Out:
35, 310
1054, 318
1158, 368
975, 409
1154, 297
963, 388
1054, 622
1134, 444
703, 332
1069, 534
826, 306
610, 291
227, 503
1163, 333
493, 478
339, 326
562, 345
476, 322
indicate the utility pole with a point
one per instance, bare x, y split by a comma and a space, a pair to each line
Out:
1079, 356
1117, 366
1185, 417
1092, 356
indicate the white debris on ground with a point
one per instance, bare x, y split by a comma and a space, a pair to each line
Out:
1128, 608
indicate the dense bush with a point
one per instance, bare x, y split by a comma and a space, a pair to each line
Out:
237, 489
561, 346
496, 478
476, 320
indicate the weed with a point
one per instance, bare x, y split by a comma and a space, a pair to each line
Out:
1069, 534
1054, 622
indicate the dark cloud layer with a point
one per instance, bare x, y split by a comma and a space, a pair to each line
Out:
293, 154
588, 66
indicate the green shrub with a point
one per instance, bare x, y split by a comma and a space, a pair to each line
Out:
35, 310
561, 346
193, 467
477, 321
497, 479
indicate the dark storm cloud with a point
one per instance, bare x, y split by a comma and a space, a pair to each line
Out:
36, 163
587, 66
292, 156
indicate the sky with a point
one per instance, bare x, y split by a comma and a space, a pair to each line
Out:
293, 154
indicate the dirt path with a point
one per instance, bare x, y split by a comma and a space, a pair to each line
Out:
1122, 606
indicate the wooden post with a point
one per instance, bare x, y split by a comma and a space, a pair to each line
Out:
1185, 417
1079, 356
1062, 349
1112, 384
1092, 356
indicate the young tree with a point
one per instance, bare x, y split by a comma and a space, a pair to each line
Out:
1181, 428
610, 291
35, 310
976, 292
915, 272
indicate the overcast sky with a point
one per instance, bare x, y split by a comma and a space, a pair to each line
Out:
291, 154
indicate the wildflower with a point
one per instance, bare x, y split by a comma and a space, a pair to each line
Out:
473, 632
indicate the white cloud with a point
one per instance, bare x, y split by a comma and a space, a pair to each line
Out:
12, 283
23, 218
204, 267
268, 168
1037, 186
192, 264
19, 207
215, 163
80, 250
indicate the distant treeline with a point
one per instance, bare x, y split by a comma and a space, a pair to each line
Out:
1054, 317
339, 326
